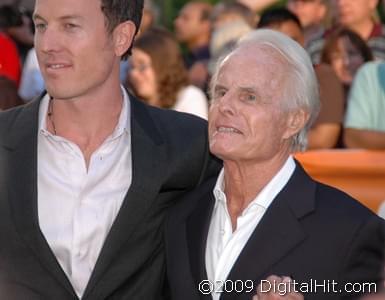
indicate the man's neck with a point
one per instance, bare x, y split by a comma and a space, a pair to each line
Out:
244, 181
200, 42
363, 29
88, 121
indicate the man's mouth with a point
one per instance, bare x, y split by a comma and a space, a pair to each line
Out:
225, 129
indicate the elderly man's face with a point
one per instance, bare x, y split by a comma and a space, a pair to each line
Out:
246, 120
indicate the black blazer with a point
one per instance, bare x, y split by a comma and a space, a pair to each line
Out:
169, 157
310, 231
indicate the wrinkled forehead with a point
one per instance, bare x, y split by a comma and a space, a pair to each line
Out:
255, 62
258, 54
262, 69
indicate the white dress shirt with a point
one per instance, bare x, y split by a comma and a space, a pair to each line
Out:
223, 245
76, 206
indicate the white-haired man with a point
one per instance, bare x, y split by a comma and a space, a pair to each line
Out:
264, 216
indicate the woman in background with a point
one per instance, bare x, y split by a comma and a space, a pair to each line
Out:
157, 74
345, 51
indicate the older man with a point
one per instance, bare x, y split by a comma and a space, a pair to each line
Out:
264, 215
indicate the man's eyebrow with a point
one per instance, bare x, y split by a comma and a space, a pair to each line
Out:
37, 17
248, 89
67, 17
218, 86
71, 17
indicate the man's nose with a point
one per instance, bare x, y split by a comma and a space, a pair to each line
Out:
226, 103
48, 41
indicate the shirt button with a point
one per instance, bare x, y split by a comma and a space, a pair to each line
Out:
223, 232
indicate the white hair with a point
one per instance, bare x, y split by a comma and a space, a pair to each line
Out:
300, 89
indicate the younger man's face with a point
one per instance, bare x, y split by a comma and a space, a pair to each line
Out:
76, 53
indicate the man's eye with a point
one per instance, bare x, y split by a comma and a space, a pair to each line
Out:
70, 26
251, 97
219, 93
40, 26
248, 97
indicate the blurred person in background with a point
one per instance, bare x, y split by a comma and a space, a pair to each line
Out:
8, 94
225, 12
257, 6
10, 65
326, 130
364, 125
149, 20
19, 28
158, 75
312, 14
150, 16
193, 29
358, 16
345, 51
27, 4
230, 22
32, 81
282, 20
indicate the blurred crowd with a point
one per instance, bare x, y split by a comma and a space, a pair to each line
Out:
345, 40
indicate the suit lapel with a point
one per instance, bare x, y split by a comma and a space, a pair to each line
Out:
197, 227
22, 187
278, 232
148, 156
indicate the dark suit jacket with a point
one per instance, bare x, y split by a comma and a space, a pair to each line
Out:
169, 156
310, 231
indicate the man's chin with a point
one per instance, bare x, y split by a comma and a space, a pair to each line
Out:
60, 95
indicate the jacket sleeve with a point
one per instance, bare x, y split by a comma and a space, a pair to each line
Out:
364, 264
211, 165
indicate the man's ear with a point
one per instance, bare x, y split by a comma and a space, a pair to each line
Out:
123, 36
295, 122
